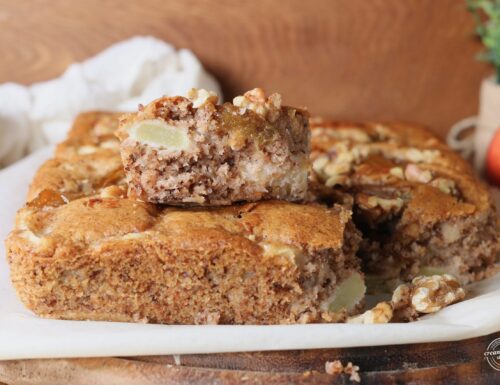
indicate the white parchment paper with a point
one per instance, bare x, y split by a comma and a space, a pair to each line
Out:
24, 335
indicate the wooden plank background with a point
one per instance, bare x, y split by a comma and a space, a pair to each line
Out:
350, 59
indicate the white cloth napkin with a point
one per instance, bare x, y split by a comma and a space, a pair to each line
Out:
133, 71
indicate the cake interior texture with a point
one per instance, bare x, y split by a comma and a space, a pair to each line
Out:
418, 204
193, 151
82, 250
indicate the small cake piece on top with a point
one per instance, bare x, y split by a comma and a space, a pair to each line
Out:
193, 151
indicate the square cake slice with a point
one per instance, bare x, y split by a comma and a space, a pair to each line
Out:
193, 151
116, 259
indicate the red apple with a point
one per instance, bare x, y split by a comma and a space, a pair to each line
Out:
493, 160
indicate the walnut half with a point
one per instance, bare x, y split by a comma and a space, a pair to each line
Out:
425, 294
433, 293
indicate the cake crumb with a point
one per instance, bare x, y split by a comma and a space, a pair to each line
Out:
335, 368
382, 313
353, 371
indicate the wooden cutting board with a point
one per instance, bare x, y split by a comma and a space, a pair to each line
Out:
461, 362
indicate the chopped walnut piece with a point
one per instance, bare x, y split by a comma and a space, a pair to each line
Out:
433, 293
413, 173
334, 168
380, 314
256, 101
371, 201
336, 180
401, 296
446, 186
421, 156
319, 164
397, 172
200, 96
344, 155
349, 134
401, 304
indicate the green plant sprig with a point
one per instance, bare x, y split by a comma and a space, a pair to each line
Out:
487, 16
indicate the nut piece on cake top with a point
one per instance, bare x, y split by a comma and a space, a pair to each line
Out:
192, 151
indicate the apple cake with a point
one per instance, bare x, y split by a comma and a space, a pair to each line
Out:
82, 250
193, 151
417, 203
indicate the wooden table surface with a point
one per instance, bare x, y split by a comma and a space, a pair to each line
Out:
410, 60
351, 59
447, 363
